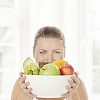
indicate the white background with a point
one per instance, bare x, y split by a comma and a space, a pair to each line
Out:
78, 19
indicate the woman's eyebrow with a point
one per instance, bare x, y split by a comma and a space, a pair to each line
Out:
41, 50
57, 49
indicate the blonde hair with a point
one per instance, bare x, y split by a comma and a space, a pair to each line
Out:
49, 31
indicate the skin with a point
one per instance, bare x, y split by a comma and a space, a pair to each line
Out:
45, 52
49, 52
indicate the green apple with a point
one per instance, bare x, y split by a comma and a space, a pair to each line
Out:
49, 69
30, 67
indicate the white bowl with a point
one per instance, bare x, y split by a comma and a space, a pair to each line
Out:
48, 86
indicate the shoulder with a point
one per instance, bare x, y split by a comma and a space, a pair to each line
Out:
16, 90
82, 84
82, 90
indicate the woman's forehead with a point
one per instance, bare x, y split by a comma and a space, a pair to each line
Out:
53, 43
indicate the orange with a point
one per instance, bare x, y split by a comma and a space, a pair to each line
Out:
59, 63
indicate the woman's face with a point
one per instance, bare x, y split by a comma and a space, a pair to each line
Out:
49, 50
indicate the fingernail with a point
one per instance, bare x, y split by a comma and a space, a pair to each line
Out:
63, 95
24, 76
73, 77
30, 88
76, 73
67, 87
27, 83
35, 96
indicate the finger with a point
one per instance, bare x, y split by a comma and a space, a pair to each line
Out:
75, 80
76, 74
22, 79
33, 95
67, 95
27, 90
21, 74
24, 85
70, 89
63, 95
72, 84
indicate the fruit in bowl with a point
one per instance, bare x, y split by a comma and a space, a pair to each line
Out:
64, 67
59, 63
67, 69
48, 80
30, 67
49, 69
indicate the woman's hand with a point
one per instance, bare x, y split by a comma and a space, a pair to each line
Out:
72, 86
25, 90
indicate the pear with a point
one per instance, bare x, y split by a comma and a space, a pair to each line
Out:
49, 69
30, 67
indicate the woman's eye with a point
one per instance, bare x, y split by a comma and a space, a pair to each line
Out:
57, 52
42, 52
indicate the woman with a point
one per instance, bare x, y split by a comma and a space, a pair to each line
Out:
49, 45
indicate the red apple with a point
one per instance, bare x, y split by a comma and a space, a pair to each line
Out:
66, 70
